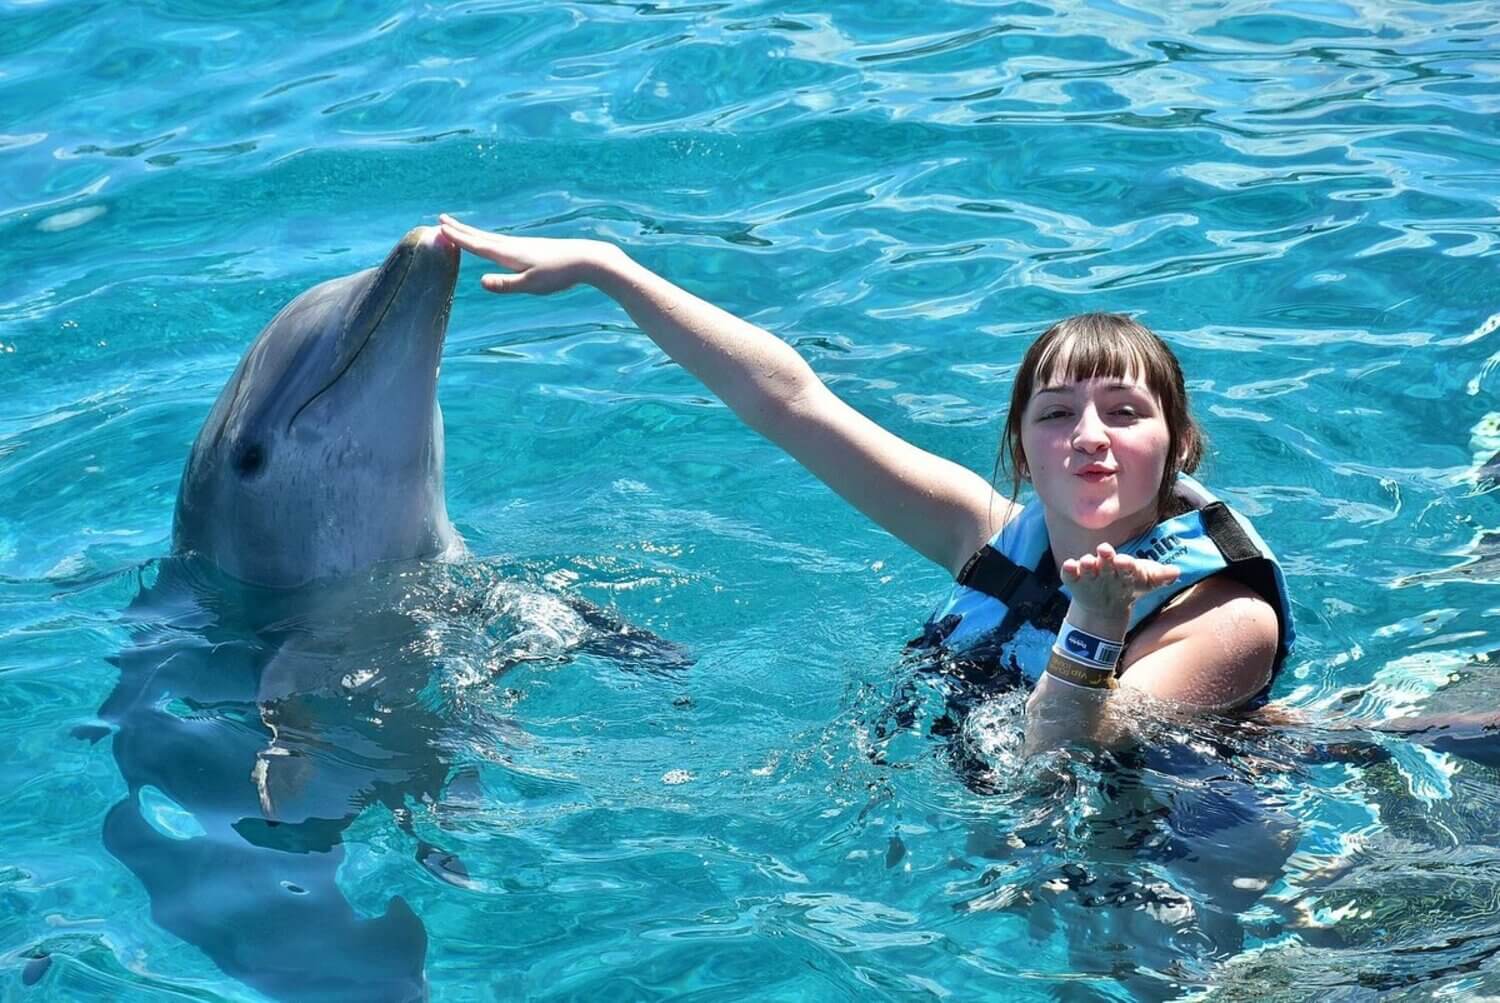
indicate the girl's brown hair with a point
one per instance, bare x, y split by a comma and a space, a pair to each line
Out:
1108, 345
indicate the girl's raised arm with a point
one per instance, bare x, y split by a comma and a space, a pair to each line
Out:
942, 510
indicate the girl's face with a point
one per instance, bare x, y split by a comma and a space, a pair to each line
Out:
1095, 450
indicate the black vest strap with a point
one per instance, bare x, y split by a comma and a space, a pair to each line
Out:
1246, 564
992, 573
1033, 597
1231, 539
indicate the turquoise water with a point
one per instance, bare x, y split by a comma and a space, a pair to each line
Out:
1300, 196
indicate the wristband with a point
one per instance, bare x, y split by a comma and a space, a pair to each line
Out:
1089, 649
1075, 673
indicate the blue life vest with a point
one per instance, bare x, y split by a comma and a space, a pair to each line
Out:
1008, 602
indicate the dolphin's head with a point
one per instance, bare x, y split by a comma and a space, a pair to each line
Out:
324, 453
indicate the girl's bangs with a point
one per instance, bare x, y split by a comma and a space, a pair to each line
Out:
1087, 355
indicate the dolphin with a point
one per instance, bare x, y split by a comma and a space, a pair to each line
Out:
278, 682
260, 706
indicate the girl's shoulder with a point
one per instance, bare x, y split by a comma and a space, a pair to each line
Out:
1213, 645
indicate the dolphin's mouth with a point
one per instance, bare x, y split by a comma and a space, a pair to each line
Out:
384, 288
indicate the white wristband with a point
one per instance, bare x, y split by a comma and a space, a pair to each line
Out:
1090, 649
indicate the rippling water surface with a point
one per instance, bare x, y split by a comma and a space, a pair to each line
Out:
1303, 197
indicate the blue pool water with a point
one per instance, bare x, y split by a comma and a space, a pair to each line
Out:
1303, 197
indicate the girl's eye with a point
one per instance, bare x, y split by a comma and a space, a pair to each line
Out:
1053, 413
1127, 411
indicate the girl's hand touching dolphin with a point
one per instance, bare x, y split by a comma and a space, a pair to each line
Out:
539, 265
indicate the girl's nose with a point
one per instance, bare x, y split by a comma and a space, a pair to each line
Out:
1089, 434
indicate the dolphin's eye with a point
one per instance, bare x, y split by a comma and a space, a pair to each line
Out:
249, 459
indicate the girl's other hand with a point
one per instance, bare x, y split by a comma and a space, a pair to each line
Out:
1106, 584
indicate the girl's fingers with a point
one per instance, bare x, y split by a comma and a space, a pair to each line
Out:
1106, 562
466, 239
456, 230
1106, 558
1152, 575
1166, 575
469, 236
453, 221
472, 239
488, 245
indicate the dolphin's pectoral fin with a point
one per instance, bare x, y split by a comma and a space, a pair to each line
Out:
633, 647
640, 649
464, 784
